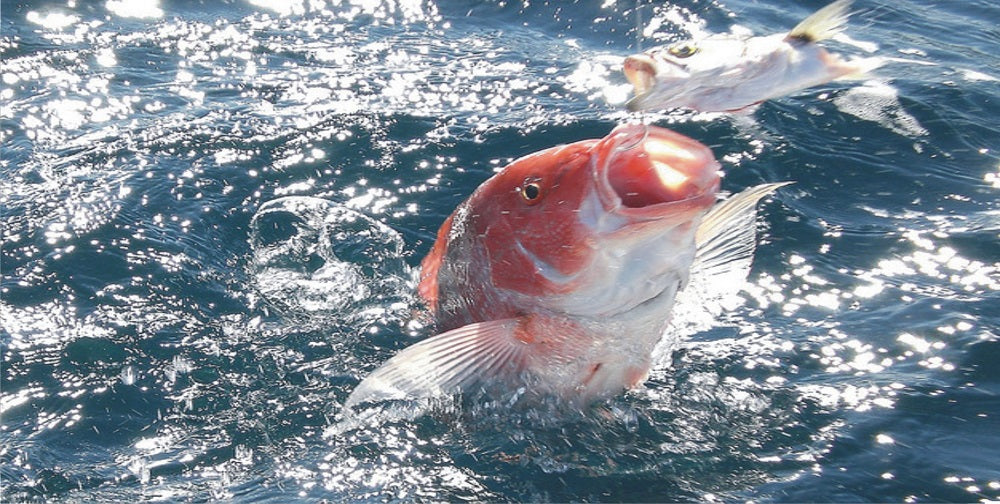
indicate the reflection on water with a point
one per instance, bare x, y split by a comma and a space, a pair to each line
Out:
212, 214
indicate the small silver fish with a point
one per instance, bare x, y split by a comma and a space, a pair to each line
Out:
726, 73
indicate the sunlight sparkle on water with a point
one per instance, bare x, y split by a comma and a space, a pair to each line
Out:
53, 20
993, 178
144, 134
144, 9
595, 76
410, 11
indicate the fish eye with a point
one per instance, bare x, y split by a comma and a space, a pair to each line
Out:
683, 50
531, 191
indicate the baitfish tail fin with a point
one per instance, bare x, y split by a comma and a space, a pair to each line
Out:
822, 24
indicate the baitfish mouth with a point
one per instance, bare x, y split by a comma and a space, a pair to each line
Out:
649, 172
644, 71
640, 70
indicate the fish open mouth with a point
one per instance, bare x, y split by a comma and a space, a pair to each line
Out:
640, 71
652, 72
646, 167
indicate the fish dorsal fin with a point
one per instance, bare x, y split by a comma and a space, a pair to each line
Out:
822, 24
725, 243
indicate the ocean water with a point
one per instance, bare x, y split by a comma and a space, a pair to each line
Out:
212, 212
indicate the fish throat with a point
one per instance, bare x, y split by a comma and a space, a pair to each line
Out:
652, 172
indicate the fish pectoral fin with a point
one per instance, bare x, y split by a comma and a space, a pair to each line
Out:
448, 363
728, 231
822, 24
725, 243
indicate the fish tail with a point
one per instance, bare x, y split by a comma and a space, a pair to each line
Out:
853, 69
822, 24
861, 68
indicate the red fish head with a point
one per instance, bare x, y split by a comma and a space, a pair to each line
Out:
573, 225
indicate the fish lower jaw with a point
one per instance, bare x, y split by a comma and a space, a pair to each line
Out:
666, 93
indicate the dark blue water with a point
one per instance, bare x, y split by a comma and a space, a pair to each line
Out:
211, 212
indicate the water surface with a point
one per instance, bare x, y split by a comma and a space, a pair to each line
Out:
212, 211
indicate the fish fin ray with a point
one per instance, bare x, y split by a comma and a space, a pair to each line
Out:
731, 219
725, 242
445, 364
726, 239
636, 103
861, 68
822, 24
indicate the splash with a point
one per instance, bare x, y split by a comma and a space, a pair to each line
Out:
313, 257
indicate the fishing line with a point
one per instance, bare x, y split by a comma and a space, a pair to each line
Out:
638, 26
639, 141
638, 47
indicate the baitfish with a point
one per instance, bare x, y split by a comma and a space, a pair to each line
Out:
726, 73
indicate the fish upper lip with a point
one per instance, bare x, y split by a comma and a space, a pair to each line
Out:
686, 169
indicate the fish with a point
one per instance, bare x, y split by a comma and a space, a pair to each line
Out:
556, 277
729, 73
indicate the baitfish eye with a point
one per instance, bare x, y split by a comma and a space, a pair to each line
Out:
683, 50
531, 191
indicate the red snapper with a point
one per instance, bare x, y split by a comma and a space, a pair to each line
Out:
558, 274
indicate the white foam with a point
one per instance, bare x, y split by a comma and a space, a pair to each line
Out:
879, 102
